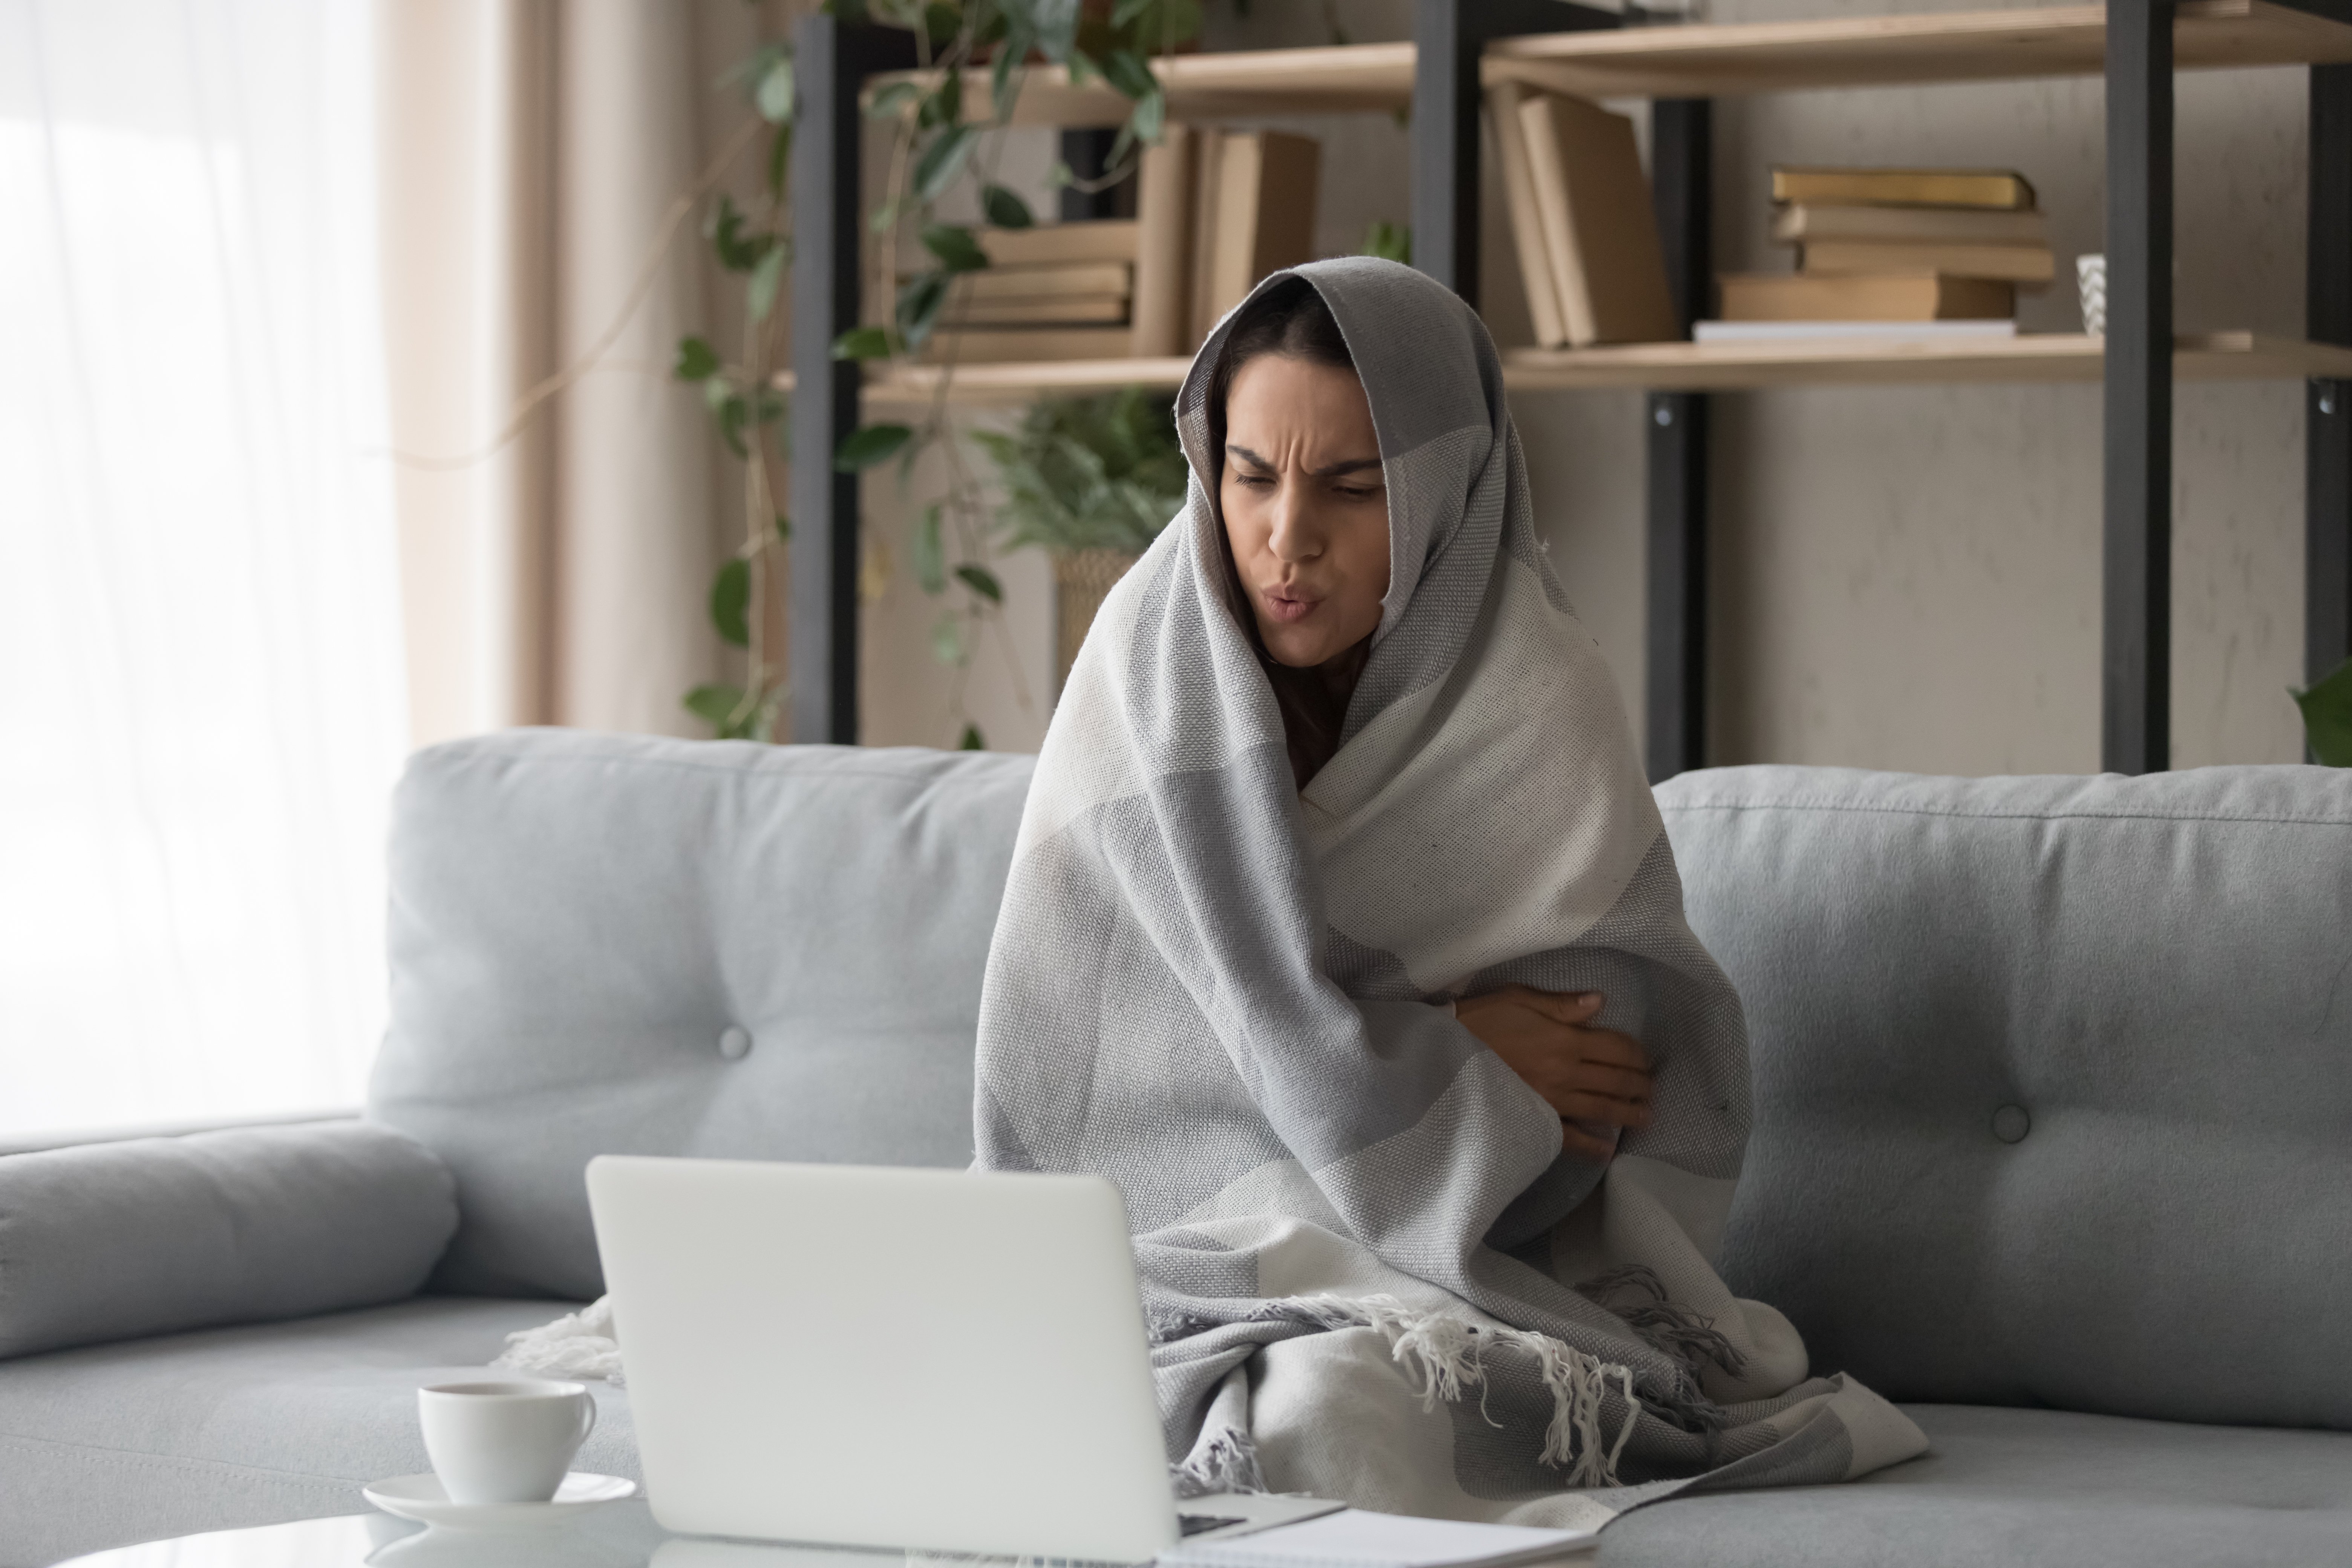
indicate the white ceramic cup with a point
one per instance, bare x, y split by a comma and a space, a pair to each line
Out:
504, 1442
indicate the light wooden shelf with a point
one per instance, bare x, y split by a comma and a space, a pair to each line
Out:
1691, 367
1847, 362
1700, 61
1725, 61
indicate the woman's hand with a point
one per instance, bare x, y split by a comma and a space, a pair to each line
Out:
1585, 1074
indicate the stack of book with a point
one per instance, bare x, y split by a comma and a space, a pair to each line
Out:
1582, 222
1939, 250
1217, 211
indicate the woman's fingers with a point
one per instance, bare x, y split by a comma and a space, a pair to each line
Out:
1583, 1106
1560, 1007
1618, 1083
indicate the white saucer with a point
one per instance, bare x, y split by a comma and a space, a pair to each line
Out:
422, 1498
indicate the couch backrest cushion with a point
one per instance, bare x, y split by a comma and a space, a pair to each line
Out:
620, 945
2053, 1079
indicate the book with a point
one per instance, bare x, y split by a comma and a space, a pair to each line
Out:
1047, 282
1164, 200
1254, 214
1014, 346
1806, 222
1781, 331
1093, 239
1593, 205
2001, 189
2015, 263
1358, 1538
1861, 296
1503, 101
1070, 310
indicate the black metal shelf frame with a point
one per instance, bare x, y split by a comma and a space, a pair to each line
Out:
835, 60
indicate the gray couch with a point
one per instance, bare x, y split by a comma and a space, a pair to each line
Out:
2053, 1136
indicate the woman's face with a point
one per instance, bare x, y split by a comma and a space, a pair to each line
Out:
1305, 508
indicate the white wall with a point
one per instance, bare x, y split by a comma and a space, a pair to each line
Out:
1902, 577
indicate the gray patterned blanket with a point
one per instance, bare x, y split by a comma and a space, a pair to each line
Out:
1371, 1271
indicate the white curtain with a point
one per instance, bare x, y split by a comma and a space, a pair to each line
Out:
201, 692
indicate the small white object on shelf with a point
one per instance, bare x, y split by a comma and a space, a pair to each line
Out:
2091, 273
1355, 1538
1780, 331
425, 1500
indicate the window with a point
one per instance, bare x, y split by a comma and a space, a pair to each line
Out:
201, 704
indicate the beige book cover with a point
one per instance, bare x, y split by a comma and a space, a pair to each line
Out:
2010, 263
1883, 296
1068, 310
1164, 201
1048, 281
1919, 225
1015, 345
1599, 227
1261, 215
2001, 189
1093, 239
1520, 203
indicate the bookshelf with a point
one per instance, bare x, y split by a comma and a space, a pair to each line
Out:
1460, 46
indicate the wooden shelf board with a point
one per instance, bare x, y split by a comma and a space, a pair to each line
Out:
1717, 62
1846, 362
1225, 85
1700, 61
1692, 367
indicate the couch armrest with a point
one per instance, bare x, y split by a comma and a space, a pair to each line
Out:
118, 1240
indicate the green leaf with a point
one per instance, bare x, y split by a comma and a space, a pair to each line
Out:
1003, 76
972, 741
780, 159
980, 581
783, 528
893, 100
942, 160
733, 415
730, 602
945, 105
955, 247
863, 344
697, 359
947, 638
736, 252
761, 296
885, 218
920, 300
1127, 11
775, 95
1391, 241
1148, 117
772, 406
1125, 70
2327, 716
1005, 208
931, 555
715, 705
872, 444
1061, 175
1055, 24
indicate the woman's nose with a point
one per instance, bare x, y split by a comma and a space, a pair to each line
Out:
1295, 536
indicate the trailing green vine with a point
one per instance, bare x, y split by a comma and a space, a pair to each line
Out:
938, 145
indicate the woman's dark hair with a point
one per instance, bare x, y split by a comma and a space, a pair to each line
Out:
1290, 320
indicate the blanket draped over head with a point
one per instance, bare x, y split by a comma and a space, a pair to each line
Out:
1370, 1270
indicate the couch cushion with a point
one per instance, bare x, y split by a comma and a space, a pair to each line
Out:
2024, 1489
2053, 1076
166, 1436
149, 1235
605, 945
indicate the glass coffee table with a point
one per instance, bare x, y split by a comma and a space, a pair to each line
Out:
618, 1535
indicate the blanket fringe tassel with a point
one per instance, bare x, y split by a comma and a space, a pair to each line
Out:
1446, 1353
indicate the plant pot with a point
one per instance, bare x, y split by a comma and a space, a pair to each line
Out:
1081, 578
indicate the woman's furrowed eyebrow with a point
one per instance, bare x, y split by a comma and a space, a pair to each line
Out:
1351, 465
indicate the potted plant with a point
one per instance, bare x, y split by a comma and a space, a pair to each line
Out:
1091, 482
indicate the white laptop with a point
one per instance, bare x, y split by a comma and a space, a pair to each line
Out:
938, 1360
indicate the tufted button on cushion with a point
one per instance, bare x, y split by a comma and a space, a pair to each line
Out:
2156, 966
589, 933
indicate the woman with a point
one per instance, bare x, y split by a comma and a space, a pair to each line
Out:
1337, 905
